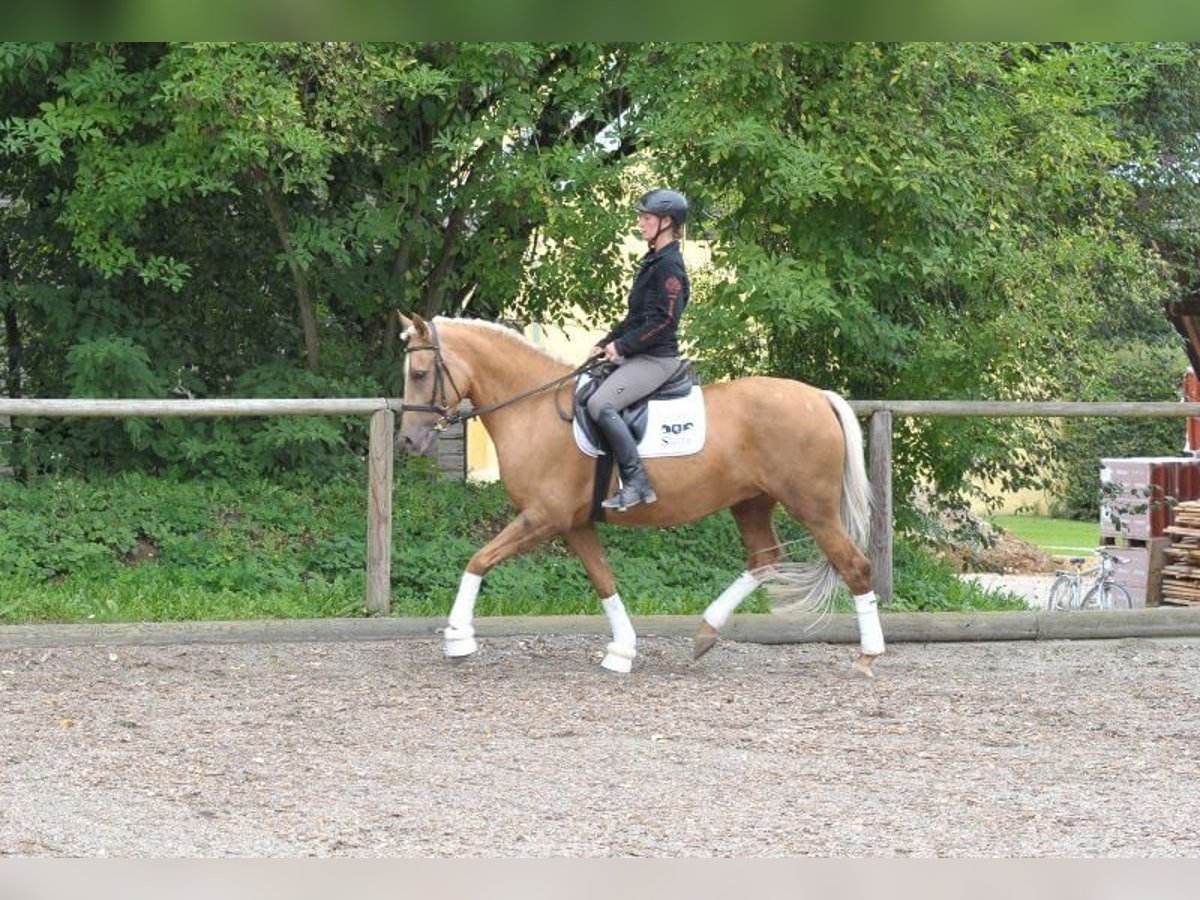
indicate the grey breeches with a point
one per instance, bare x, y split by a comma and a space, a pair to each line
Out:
637, 377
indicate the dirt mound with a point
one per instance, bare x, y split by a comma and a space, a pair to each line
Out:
972, 544
1006, 553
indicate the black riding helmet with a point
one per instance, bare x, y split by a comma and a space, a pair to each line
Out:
664, 202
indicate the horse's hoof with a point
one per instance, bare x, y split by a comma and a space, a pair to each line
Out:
458, 649
619, 659
862, 665
705, 640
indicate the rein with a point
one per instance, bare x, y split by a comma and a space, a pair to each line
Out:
446, 418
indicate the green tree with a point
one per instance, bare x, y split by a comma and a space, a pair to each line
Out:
388, 174
915, 220
226, 207
889, 220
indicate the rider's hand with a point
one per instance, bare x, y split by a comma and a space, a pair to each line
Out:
611, 351
596, 351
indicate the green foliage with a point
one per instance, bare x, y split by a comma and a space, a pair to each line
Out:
213, 535
1132, 372
1166, 119
365, 176
111, 367
135, 547
218, 447
890, 220
926, 584
916, 221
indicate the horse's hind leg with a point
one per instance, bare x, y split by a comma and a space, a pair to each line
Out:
623, 647
855, 570
753, 518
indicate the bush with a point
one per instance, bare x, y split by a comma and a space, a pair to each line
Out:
114, 367
924, 583
1137, 372
134, 547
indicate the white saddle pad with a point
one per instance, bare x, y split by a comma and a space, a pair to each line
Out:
673, 428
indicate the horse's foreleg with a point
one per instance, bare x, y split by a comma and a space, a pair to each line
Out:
719, 611
458, 638
521, 534
623, 647
753, 518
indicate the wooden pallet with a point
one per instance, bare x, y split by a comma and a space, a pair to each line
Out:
1181, 577
1187, 514
1177, 600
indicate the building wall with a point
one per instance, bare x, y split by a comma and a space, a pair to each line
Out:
1028, 502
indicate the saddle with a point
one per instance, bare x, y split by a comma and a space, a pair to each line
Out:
676, 428
636, 415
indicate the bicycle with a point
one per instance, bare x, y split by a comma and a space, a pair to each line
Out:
1105, 593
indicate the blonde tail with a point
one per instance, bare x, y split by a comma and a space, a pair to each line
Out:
810, 587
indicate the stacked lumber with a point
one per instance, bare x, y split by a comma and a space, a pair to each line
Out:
1181, 576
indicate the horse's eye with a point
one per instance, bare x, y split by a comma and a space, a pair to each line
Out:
417, 374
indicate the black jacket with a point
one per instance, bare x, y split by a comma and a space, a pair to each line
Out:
656, 302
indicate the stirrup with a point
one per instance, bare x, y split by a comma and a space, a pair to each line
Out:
630, 495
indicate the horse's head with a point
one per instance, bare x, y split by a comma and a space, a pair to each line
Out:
431, 391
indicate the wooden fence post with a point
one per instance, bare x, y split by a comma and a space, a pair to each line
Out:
881, 517
379, 511
450, 451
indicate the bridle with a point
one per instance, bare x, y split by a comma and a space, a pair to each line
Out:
441, 374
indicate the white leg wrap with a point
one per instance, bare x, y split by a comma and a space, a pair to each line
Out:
870, 632
722, 608
623, 648
458, 638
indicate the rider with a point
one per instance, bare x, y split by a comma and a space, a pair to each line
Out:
644, 344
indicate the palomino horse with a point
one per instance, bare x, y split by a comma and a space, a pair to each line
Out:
770, 441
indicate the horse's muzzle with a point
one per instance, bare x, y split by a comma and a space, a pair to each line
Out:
418, 443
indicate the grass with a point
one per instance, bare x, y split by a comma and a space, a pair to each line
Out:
152, 595
1058, 537
135, 547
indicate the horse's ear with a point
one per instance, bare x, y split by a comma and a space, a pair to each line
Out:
414, 326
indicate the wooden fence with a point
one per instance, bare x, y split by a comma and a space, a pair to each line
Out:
380, 452
382, 414
879, 448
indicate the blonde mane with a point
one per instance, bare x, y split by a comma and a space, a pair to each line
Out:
515, 336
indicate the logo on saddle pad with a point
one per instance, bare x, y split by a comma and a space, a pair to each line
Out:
676, 432
673, 427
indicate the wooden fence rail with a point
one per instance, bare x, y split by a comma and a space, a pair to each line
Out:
382, 412
881, 412
155, 409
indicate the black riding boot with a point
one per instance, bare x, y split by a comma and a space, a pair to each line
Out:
635, 486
